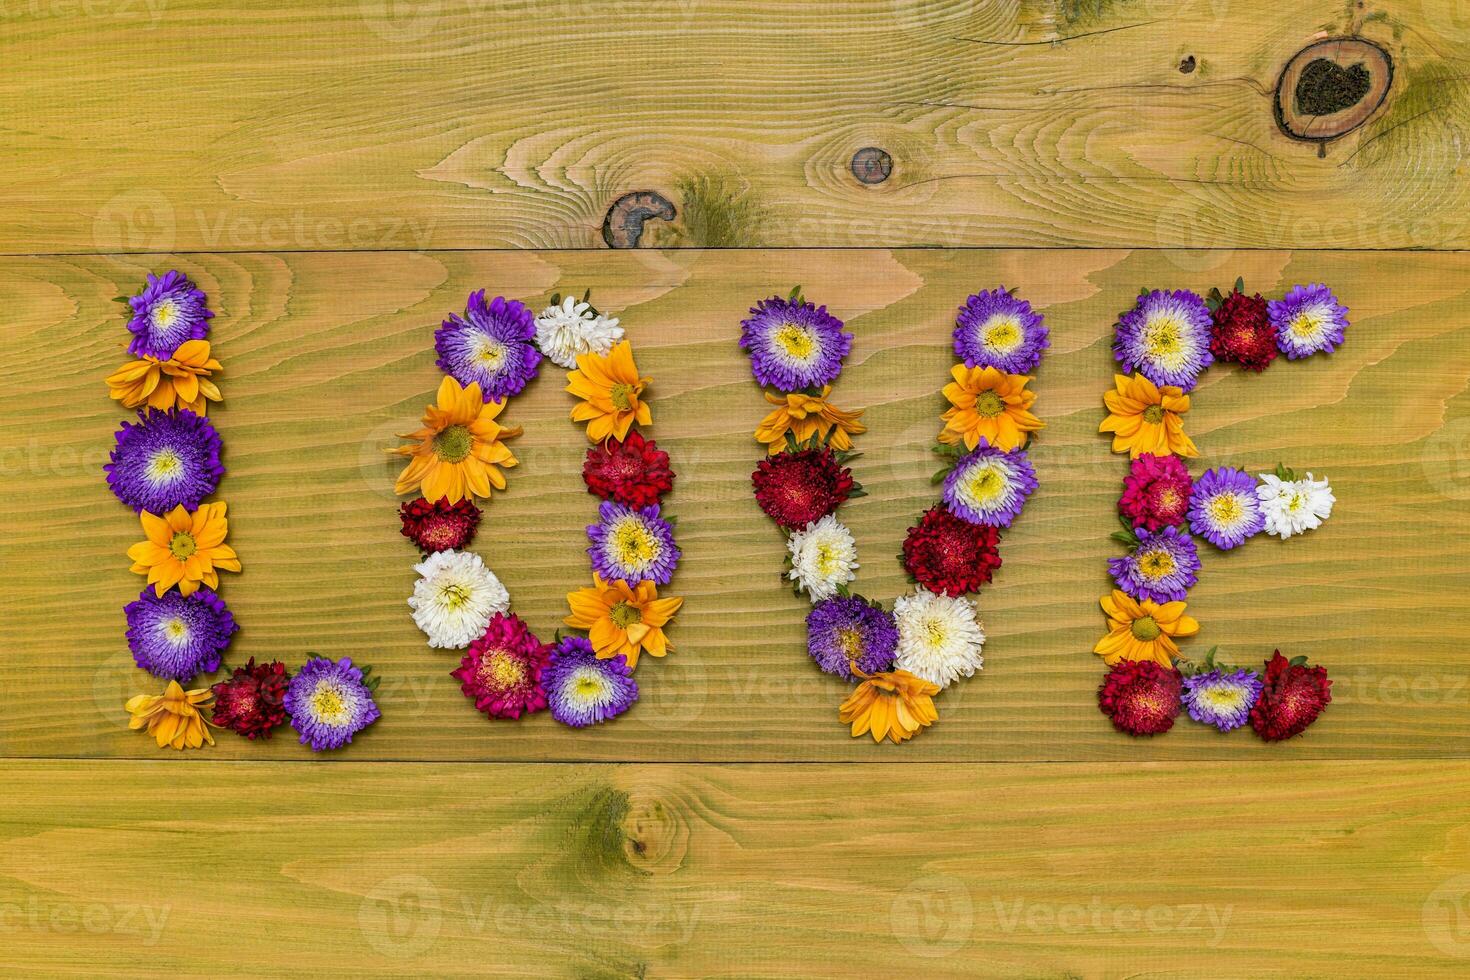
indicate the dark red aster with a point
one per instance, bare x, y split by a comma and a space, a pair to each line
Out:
796, 488
633, 472
1293, 697
249, 700
1156, 492
439, 526
947, 554
1141, 697
1243, 332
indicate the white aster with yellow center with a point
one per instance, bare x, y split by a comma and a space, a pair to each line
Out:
455, 597
823, 558
939, 636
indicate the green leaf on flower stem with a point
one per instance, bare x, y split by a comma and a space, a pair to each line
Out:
1298, 661
795, 295
940, 476
947, 451
555, 299
1240, 284
1283, 472
1127, 540
856, 491
121, 299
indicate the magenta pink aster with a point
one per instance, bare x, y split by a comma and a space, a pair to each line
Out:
501, 671
1156, 492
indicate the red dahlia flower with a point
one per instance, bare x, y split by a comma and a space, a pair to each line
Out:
947, 554
1243, 332
1293, 697
440, 526
249, 701
1141, 697
798, 487
633, 472
1156, 492
501, 671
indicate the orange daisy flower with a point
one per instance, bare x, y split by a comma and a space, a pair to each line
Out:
622, 619
1143, 630
173, 718
988, 404
182, 381
805, 416
611, 391
894, 704
459, 451
184, 549
1145, 418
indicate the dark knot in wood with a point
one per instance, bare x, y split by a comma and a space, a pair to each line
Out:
623, 226
872, 165
1330, 88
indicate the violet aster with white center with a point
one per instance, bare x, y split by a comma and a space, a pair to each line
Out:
1166, 338
997, 329
492, 345
329, 702
634, 544
582, 690
1163, 567
164, 460
793, 344
1307, 319
989, 486
169, 311
175, 636
1224, 508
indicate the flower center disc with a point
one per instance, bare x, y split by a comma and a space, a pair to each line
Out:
795, 341
454, 444
182, 545
1225, 508
499, 671
1146, 629
164, 465
988, 404
623, 615
327, 705
622, 396
1153, 414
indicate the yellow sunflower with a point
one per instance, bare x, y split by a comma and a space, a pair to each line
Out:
805, 416
894, 705
184, 549
1143, 630
1145, 418
173, 718
623, 619
611, 391
988, 404
182, 381
459, 450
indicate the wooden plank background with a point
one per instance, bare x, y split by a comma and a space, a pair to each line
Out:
339, 174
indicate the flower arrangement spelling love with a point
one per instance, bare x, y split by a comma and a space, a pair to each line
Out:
163, 466
489, 355
900, 660
1167, 341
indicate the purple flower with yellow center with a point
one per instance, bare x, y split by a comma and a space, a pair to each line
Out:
1224, 508
996, 329
583, 690
165, 459
329, 701
1308, 319
989, 486
1166, 337
1161, 569
844, 630
169, 311
175, 636
1221, 698
634, 544
492, 345
793, 344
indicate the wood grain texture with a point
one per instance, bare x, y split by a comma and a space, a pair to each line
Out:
134, 125
328, 354
682, 871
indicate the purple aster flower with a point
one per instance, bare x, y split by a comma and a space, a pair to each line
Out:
989, 486
491, 345
169, 311
583, 690
1224, 509
846, 629
1222, 699
995, 329
1162, 568
165, 459
1307, 320
794, 345
175, 636
632, 543
329, 702
1166, 338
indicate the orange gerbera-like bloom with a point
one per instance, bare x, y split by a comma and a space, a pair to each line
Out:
805, 416
1145, 418
182, 381
184, 549
173, 718
611, 391
988, 404
622, 619
1143, 630
893, 704
459, 451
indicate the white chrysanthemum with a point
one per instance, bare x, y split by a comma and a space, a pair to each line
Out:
823, 556
563, 332
1294, 506
455, 598
939, 638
